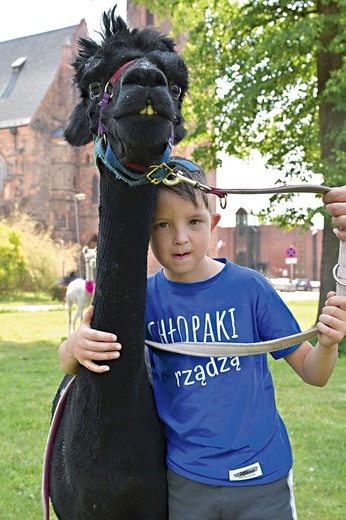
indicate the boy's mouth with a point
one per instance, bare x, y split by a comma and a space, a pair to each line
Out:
181, 256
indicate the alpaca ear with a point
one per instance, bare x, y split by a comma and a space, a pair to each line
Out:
168, 42
78, 132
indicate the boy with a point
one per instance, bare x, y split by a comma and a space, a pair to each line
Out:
228, 452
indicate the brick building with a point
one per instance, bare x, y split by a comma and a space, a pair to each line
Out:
264, 248
39, 172
58, 184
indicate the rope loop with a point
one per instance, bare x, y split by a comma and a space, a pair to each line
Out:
335, 275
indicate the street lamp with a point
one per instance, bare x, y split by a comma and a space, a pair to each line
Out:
77, 198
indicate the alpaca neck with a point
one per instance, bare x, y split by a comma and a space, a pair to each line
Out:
123, 240
89, 286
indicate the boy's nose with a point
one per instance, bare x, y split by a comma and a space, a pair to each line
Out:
180, 237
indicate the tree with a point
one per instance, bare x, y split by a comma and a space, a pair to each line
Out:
269, 75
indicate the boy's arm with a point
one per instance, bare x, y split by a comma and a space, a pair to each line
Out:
87, 345
316, 364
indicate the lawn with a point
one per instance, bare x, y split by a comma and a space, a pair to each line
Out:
30, 375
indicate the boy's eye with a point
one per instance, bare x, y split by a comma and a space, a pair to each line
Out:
194, 222
163, 225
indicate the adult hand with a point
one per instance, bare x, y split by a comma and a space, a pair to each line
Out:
335, 201
332, 322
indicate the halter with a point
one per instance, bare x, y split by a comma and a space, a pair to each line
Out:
107, 96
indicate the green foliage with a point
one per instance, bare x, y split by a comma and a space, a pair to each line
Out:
29, 259
266, 75
28, 347
13, 267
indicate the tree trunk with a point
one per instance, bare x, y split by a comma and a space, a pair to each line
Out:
331, 246
331, 121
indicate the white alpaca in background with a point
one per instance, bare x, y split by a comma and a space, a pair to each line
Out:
79, 291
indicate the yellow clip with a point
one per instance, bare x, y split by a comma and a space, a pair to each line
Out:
153, 169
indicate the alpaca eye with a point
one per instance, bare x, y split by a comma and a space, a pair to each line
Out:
176, 91
94, 90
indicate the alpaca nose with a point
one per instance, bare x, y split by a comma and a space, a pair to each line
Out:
145, 74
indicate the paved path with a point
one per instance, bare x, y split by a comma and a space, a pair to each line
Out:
32, 308
299, 295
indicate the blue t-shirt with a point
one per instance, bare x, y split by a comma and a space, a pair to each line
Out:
222, 424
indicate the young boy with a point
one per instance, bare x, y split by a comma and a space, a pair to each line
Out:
228, 452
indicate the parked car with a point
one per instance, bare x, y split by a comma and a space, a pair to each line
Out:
282, 284
303, 284
59, 288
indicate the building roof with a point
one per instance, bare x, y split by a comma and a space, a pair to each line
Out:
28, 66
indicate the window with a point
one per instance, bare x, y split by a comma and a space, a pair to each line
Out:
95, 190
62, 221
149, 18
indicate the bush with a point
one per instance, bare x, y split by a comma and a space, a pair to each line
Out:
13, 266
29, 259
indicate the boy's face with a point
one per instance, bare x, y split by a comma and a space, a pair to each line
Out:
180, 236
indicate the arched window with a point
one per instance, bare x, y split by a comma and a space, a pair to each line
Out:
3, 173
149, 17
95, 190
62, 221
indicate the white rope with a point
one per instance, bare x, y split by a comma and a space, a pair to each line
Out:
233, 349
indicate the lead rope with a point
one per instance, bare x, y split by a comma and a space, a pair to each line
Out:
49, 446
247, 349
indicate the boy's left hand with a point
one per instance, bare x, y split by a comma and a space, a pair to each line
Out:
332, 321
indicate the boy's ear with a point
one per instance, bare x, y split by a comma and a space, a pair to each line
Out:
215, 220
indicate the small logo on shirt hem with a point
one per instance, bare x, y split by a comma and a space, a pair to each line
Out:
252, 471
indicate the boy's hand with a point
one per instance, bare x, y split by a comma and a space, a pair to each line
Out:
332, 321
87, 345
335, 201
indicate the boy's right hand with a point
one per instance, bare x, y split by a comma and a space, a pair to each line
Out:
86, 345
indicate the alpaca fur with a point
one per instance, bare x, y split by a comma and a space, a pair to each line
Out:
108, 457
80, 292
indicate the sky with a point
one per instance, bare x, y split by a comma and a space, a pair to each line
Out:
26, 17
236, 173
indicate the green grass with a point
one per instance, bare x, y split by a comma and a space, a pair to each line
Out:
316, 422
305, 312
30, 375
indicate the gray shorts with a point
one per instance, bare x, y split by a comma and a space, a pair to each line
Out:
190, 500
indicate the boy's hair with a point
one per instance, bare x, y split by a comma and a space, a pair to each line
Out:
188, 192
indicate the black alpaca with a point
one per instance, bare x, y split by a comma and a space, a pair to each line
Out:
108, 457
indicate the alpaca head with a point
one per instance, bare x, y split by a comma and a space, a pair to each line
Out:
132, 85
